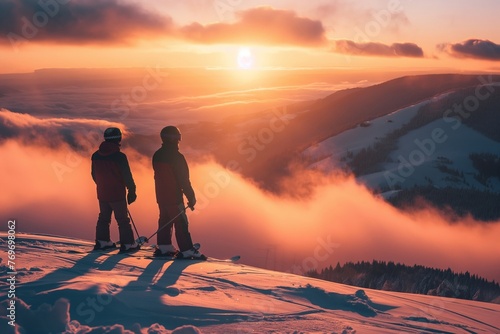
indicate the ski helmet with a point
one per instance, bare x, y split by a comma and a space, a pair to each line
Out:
112, 134
170, 134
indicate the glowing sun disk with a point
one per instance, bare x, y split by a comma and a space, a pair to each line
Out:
245, 58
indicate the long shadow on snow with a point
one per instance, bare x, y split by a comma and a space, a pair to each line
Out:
43, 291
33, 292
150, 295
94, 307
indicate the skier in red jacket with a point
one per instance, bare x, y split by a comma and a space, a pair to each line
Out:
112, 175
172, 182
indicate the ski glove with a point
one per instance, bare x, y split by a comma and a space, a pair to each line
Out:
131, 197
191, 204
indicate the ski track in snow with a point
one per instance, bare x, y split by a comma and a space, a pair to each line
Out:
83, 291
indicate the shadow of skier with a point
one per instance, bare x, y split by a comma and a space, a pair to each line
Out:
33, 292
158, 296
170, 277
111, 262
152, 278
144, 296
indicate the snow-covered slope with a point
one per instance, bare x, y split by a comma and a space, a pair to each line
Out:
434, 154
329, 153
60, 289
419, 160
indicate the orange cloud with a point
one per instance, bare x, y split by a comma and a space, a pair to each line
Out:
262, 25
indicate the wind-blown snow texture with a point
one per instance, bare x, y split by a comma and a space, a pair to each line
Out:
60, 290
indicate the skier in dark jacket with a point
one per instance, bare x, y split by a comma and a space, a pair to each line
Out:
112, 175
172, 182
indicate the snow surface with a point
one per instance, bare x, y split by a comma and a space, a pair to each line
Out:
328, 153
452, 150
62, 288
418, 158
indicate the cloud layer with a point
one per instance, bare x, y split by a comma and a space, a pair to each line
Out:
116, 22
261, 25
378, 49
336, 223
79, 134
473, 48
79, 21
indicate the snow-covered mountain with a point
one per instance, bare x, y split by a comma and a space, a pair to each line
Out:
436, 143
59, 288
417, 155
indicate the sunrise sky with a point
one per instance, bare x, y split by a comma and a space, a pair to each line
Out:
425, 34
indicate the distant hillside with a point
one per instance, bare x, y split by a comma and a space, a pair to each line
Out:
344, 110
417, 279
442, 151
484, 119
322, 119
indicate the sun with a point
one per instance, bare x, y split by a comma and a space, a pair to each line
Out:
245, 58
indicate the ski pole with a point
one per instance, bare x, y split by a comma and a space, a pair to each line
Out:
139, 238
167, 224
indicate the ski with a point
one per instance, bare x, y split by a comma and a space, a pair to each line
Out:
232, 259
196, 246
162, 258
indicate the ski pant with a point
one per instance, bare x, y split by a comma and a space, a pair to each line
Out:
121, 216
180, 224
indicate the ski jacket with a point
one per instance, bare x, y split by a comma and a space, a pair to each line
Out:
111, 173
171, 175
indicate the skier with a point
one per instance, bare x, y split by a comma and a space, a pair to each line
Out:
171, 174
111, 173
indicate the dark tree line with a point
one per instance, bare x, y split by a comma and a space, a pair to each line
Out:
487, 165
416, 279
459, 202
